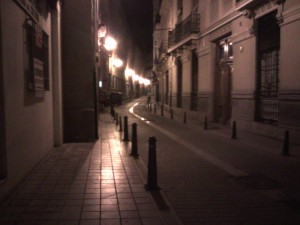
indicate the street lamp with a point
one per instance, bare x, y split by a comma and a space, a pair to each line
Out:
118, 62
110, 43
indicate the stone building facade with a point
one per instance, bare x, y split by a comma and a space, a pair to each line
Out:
230, 60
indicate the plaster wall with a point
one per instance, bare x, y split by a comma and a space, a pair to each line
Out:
29, 121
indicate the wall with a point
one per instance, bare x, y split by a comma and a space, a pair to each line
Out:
290, 67
78, 55
29, 120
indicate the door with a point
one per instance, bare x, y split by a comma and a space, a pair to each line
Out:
223, 81
167, 88
179, 83
194, 80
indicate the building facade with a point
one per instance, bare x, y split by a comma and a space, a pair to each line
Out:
230, 60
113, 78
49, 77
79, 84
30, 86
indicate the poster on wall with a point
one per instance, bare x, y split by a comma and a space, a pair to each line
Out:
38, 76
38, 56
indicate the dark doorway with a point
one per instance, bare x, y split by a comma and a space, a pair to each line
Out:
223, 81
194, 80
268, 44
167, 88
179, 82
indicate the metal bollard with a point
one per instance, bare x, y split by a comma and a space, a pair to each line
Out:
114, 115
117, 119
172, 114
286, 144
150, 105
120, 123
126, 128
155, 108
152, 167
112, 111
134, 145
162, 110
233, 136
205, 123
184, 117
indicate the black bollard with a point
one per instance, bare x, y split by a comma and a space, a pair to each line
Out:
150, 105
120, 123
112, 111
155, 108
172, 114
233, 136
117, 119
205, 123
134, 146
126, 128
114, 115
162, 110
184, 117
286, 144
152, 167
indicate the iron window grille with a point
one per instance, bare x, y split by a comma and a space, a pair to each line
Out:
268, 72
187, 27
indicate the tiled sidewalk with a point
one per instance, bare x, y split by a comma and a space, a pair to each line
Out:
84, 184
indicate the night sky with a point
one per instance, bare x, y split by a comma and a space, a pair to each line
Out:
139, 16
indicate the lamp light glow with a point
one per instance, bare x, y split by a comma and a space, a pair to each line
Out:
110, 44
118, 63
129, 72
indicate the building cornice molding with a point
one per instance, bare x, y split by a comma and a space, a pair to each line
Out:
291, 15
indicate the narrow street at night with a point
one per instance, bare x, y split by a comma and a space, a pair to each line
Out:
208, 178
149, 112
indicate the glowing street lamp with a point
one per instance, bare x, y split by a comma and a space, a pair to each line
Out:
136, 77
118, 63
110, 44
141, 80
129, 72
147, 82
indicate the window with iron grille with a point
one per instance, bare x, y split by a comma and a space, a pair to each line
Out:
268, 69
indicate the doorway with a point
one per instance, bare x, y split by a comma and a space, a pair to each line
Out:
179, 82
194, 80
223, 81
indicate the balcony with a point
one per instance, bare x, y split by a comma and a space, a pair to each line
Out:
248, 4
182, 30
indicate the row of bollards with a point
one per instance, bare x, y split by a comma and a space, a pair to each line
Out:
285, 150
152, 184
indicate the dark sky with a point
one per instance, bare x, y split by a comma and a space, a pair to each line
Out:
139, 16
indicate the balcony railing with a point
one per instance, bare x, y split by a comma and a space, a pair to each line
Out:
189, 26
